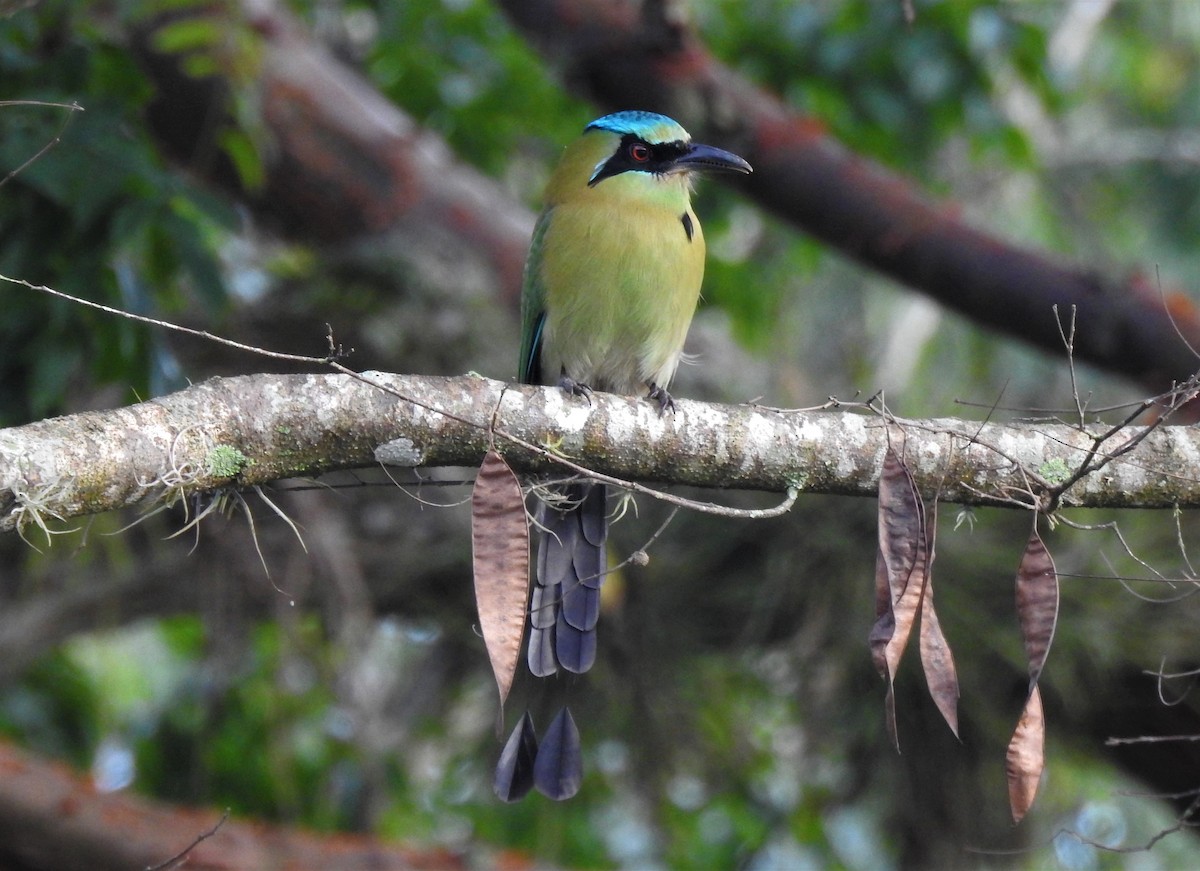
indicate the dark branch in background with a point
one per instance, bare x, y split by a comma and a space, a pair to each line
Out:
344, 162
645, 55
341, 162
52, 818
335, 174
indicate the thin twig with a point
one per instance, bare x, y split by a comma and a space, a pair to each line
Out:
72, 106
1068, 338
166, 325
703, 507
1166, 306
181, 857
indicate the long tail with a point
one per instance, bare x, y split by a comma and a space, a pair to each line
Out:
571, 562
563, 611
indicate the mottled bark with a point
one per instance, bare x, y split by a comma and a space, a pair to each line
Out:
251, 430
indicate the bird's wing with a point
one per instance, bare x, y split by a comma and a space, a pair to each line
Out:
533, 306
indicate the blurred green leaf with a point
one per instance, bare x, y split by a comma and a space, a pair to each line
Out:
99, 197
187, 34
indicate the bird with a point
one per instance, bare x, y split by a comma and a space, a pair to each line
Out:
611, 282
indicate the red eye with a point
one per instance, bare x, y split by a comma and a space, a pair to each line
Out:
639, 151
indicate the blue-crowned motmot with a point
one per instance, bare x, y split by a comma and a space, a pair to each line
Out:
611, 283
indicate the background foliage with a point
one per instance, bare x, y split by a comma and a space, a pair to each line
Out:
749, 733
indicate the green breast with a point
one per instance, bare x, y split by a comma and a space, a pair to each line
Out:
621, 277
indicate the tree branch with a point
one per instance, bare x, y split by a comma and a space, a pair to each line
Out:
345, 162
646, 55
250, 430
52, 818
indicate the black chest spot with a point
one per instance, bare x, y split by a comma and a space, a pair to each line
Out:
688, 227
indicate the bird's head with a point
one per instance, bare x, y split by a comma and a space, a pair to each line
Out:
626, 151
646, 142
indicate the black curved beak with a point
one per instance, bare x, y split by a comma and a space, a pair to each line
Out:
709, 158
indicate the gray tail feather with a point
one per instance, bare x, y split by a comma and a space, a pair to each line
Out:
554, 767
564, 608
572, 560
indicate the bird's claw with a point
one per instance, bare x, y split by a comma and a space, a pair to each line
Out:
575, 388
662, 397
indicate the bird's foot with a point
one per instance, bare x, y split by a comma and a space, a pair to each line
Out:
661, 396
573, 387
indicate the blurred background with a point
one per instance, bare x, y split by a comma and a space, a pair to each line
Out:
216, 178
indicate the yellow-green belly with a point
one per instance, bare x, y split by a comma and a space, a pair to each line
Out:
621, 289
